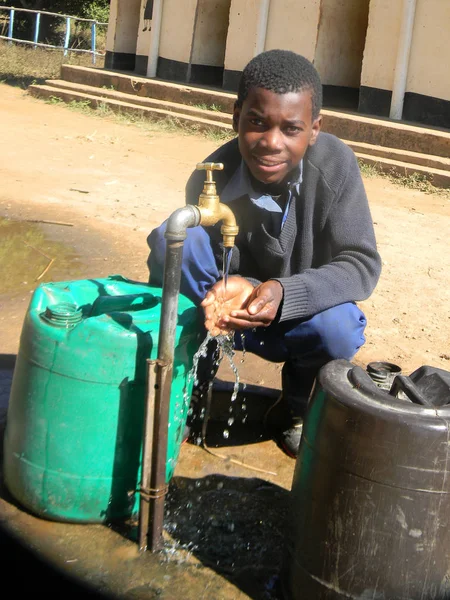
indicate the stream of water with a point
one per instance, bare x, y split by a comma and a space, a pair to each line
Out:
225, 348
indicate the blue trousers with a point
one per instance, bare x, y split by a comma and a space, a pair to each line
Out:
303, 345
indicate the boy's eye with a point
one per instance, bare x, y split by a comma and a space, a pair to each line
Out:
292, 130
256, 122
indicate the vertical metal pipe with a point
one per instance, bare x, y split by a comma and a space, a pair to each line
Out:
67, 38
147, 447
36, 28
94, 42
169, 308
11, 24
155, 453
402, 63
261, 32
159, 486
179, 221
156, 34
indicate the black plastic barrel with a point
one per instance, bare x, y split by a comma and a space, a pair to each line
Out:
370, 512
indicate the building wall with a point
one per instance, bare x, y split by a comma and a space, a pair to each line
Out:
144, 39
427, 97
383, 31
242, 33
428, 67
122, 34
340, 41
293, 26
353, 44
211, 29
210, 38
177, 31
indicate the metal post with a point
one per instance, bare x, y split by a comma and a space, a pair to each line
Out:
402, 62
147, 455
67, 38
261, 32
155, 39
11, 24
36, 28
156, 453
159, 486
93, 41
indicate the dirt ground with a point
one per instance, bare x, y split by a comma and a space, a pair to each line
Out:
115, 182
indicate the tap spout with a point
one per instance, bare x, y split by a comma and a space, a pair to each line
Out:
220, 212
212, 210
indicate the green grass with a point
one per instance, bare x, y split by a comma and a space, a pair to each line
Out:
22, 65
205, 106
148, 123
414, 181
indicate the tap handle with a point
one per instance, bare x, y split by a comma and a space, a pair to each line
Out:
209, 167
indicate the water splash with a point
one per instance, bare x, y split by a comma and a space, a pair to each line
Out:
225, 348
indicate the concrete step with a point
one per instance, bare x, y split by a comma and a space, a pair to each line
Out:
397, 168
387, 133
344, 124
47, 92
151, 88
395, 148
149, 102
415, 158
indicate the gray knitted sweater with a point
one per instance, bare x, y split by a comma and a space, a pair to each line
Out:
326, 252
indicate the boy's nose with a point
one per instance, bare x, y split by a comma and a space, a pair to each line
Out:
272, 139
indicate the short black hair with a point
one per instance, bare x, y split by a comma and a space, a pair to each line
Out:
281, 71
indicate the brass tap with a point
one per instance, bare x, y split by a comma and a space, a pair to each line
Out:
211, 208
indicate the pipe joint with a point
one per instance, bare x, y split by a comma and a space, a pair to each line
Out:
179, 221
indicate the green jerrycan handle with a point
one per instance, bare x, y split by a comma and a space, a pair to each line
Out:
128, 302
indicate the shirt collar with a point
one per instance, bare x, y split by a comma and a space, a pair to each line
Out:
240, 185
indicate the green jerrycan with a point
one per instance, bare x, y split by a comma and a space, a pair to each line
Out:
73, 439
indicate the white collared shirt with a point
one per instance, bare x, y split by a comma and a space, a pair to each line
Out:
240, 185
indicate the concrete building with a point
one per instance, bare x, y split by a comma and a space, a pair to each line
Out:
377, 57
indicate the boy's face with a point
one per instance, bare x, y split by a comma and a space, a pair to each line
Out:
275, 131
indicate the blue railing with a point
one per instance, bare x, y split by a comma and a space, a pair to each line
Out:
68, 21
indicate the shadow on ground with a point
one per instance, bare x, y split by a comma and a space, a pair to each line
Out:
233, 525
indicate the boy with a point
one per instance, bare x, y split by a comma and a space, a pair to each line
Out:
306, 249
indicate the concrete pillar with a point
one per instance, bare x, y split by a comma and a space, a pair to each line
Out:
144, 36
122, 34
209, 41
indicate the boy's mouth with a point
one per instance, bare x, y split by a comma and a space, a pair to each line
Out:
268, 166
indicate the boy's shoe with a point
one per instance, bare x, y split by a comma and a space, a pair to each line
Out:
290, 439
285, 428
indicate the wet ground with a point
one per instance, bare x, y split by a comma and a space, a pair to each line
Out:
228, 503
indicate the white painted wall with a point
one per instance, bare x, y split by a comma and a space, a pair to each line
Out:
144, 33
177, 28
293, 26
380, 52
428, 71
211, 29
112, 24
340, 41
331, 33
123, 26
430, 47
242, 33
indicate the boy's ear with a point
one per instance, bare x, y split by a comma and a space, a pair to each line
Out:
316, 126
236, 115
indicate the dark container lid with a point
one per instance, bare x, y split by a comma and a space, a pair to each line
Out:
399, 439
